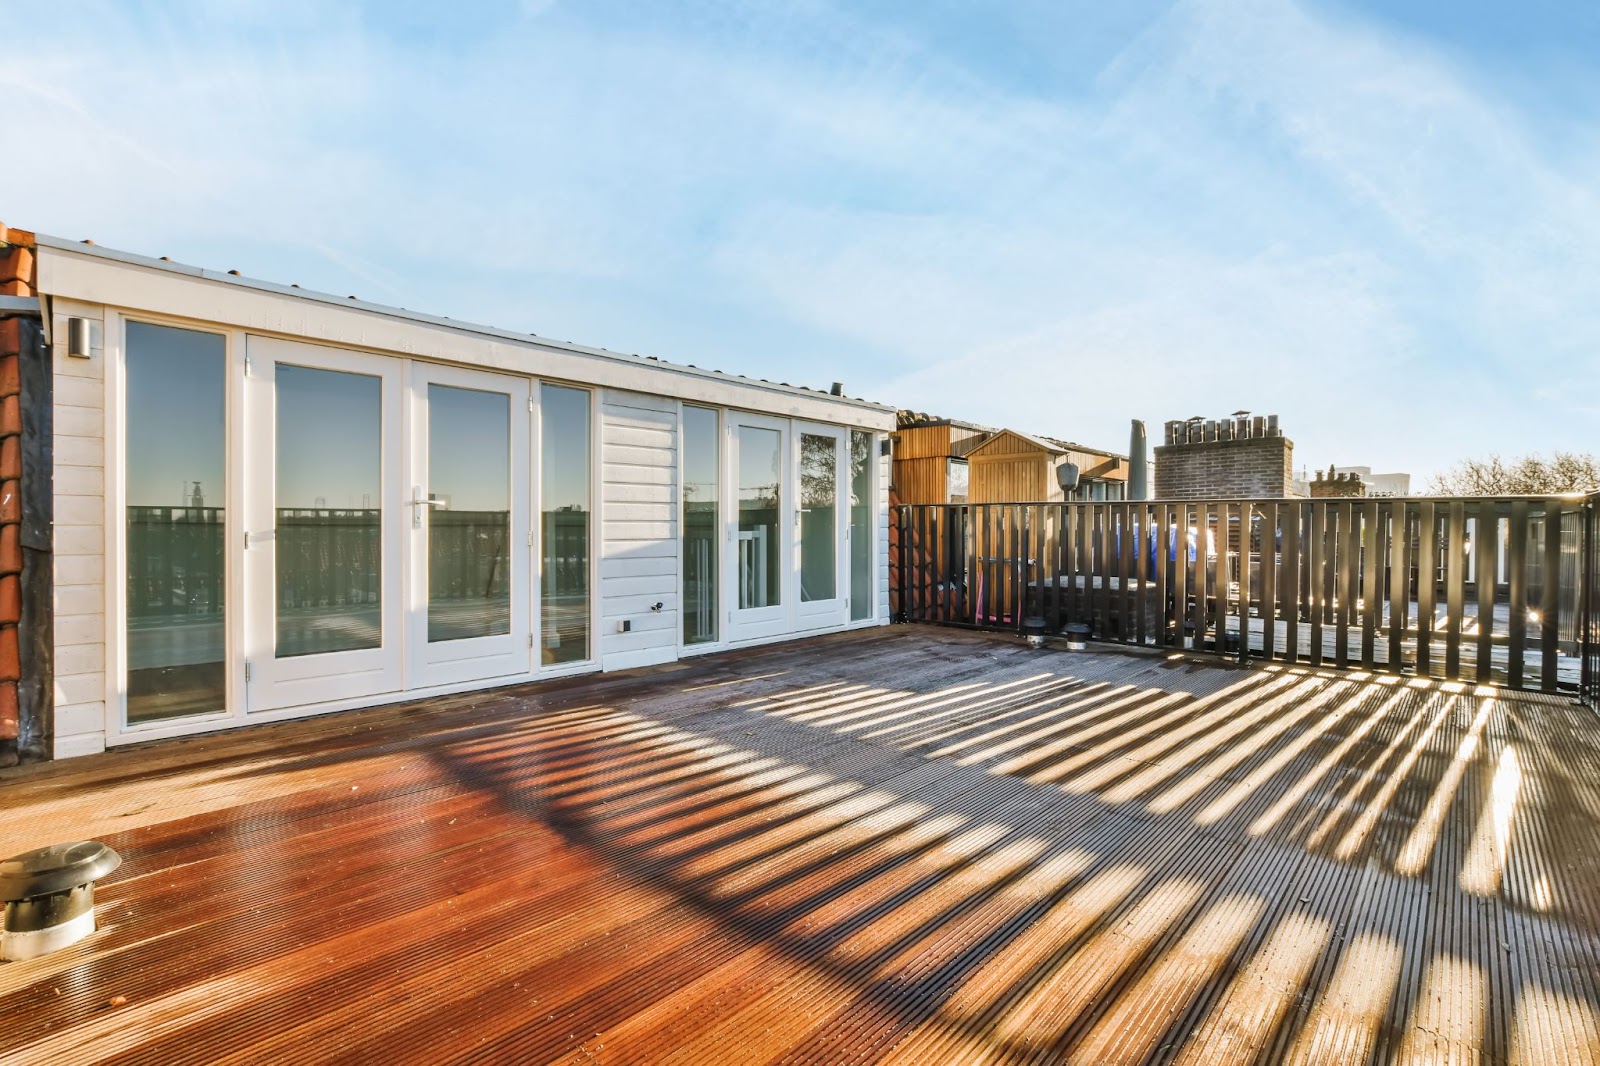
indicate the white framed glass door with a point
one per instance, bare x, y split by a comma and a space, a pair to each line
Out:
759, 580
821, 521
324, 541
467, 523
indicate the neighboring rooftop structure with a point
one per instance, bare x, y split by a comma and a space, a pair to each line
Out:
1242, 456
935, 463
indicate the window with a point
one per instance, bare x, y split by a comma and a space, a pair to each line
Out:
700, 510
819, 512
565, 473
176, 496
469, 532
861, 585
760, 504
329, 511
959, 481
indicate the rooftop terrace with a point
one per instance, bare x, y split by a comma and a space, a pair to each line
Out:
910, 844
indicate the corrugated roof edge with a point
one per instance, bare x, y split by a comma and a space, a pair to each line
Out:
61, 244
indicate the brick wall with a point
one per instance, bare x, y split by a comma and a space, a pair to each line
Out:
1252, 468
16, 279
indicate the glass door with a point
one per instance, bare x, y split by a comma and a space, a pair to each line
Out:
760, 575
467, 523
821, 520
324, 539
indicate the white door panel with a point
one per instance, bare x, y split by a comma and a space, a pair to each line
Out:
468, 528
325, 552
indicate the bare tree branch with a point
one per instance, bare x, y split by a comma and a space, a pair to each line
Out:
1530, 475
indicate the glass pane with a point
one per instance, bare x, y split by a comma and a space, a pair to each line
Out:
329, 511
862, 590
760, 458
819, 529
699, 525
176, 489
469, 532
564, 500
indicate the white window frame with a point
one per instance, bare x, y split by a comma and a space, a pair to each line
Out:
114, 459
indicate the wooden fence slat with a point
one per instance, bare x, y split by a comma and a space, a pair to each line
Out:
1041, 563
1199, 578
1220, 604
1455, 587
1181, 581
1082, 586
898, 556
1397, 534
1270, 561
1330, 559
1019, 539
1550, 602
995, 604
1242, 603
1289, 521
927, 551
1371, 603
1427, 584
1143, 539
1344, 583
1094, 568
1487, 542
1315, 584
1116, 518
1158, 544
1517, 593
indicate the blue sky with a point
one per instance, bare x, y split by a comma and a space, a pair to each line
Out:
1380, 221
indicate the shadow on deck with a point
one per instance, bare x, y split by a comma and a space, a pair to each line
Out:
910, 844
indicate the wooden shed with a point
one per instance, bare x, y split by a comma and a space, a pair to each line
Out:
930, 458
1013, 467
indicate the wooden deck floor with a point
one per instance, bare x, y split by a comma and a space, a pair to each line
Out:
909, 845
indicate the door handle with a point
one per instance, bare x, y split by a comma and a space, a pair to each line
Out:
419, 501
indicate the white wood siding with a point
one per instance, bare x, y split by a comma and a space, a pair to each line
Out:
79, 539
638, 529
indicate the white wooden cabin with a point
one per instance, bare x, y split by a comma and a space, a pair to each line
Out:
272, 503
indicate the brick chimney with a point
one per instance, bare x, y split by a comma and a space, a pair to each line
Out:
1237, 457
1337, 486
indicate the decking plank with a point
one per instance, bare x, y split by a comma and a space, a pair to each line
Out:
900, 845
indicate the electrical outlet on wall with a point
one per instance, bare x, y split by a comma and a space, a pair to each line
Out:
625, 626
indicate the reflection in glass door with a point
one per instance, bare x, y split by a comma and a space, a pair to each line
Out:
701, 528
863, 589
760, 507
820, 523
819, 517
565, 488
323, 555
758, 555
175, 491
329, 516
468, 525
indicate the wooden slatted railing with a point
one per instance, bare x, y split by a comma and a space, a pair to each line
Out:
1487, 590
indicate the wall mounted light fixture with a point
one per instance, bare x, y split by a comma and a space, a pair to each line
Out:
78, 338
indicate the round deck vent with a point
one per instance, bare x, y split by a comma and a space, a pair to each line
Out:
49, 896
